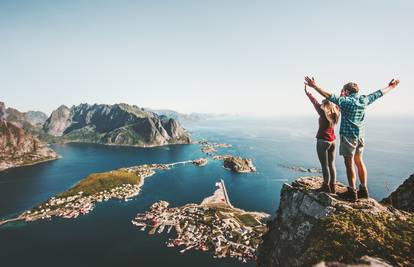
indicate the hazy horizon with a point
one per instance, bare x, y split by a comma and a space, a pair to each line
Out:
233, 57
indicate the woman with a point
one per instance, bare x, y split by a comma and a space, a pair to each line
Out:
325, 144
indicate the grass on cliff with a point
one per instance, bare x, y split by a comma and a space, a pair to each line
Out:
352, 234
97, 182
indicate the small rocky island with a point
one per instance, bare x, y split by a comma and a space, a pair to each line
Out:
237, 164
200, 162
211, 148
303, 169
212, 225
311, 226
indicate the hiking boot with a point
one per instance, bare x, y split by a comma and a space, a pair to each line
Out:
332, 188
325, 188
363, 192
350, 195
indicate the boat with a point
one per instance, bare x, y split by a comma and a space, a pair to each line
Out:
161, 229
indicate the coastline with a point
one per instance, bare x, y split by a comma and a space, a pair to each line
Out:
31, 163
122, 145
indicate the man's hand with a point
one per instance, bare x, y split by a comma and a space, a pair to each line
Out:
393, 83
310, 82
306, 90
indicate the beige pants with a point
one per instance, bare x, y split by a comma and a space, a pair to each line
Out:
350, 146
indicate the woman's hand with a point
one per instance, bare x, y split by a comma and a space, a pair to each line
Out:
311, 82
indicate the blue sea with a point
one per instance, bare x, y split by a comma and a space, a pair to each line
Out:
106, 237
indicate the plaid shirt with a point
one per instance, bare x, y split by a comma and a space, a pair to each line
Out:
353, 112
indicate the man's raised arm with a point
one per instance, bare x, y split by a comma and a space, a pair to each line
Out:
391, 85
312, 83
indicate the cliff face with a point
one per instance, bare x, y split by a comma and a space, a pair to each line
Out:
18, 147
58, 121
403, 197
119, 124
311, 227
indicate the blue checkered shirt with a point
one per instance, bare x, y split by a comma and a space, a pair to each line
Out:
353, 112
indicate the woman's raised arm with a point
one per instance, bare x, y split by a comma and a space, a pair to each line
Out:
313, 100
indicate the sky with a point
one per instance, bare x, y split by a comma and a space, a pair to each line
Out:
224, 56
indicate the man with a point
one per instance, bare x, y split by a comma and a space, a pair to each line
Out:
351, 130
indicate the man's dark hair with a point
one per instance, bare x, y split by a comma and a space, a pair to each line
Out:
351, 87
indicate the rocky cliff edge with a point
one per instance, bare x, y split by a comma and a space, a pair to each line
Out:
312, 226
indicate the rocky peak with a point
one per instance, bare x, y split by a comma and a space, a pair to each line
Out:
311, 226
403, 197
58, 121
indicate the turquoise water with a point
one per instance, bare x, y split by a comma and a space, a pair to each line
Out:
106, 237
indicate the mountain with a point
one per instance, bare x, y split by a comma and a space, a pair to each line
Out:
312, 226
118, 124
181, 117
36, 117
58, 121
19, 147
30, 121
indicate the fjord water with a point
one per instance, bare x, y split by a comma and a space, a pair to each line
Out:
106, 237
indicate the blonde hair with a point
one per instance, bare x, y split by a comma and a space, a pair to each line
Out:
331, 111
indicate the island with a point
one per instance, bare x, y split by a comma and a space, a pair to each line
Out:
200, 162
212, 225
302, 169
236, 164
210, 148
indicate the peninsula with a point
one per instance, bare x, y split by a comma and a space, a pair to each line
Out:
122, 184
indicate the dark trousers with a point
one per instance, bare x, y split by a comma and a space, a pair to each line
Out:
326, 155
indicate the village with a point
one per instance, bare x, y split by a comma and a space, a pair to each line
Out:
72, 206
213, 225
